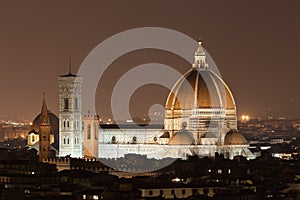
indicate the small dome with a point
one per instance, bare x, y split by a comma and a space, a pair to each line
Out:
54, 122
182, 137
234, 138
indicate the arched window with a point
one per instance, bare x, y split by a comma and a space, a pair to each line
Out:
134, 139
32, 138
113, 139
64, 123
76, 103
75, 124
64, 140
68, 141
89, 131
66, 104
95, 131
68, 123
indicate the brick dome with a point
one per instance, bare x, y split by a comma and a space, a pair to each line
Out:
235, 138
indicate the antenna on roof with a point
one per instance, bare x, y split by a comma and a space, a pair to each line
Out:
70, 65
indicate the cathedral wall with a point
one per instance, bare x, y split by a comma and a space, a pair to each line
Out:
129, 136
155, 151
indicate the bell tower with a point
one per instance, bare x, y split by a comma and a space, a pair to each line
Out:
91, 131
70, 120
44, 132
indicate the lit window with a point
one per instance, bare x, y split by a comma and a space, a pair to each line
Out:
95, 197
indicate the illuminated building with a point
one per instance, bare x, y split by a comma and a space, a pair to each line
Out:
70, 120
203, 101
200, 120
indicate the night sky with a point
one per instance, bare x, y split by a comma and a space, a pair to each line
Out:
255, 45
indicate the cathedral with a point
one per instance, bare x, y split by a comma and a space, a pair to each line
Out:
200, 120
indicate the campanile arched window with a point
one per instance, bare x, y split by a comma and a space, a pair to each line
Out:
88, 131
66, 104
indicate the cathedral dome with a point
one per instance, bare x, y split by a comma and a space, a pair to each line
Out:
202, 99
200, 89
235, 138
182, 137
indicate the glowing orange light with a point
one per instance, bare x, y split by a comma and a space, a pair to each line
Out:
245, 117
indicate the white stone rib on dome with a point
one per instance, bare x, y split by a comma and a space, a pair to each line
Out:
200, 89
